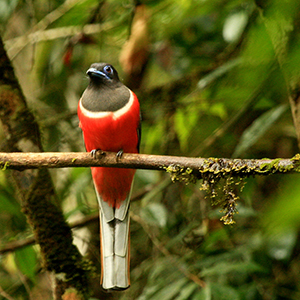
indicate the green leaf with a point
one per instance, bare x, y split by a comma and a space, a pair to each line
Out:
155, 214
185, 120
26, 261
154, 136
224, 292
7, 205
234, 26
217, 73
204, 294
187, 291
281, 245
164, 273
171, 290
76, 14
282, 216
6, 8
258, 128
224, 268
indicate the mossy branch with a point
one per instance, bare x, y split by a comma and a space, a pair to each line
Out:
179, 167
221, 176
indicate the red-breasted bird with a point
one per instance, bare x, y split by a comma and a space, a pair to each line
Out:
109, 115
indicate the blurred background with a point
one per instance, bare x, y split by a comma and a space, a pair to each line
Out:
213, 79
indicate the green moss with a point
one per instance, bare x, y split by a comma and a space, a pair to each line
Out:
296, 162
181, 174
222, 191
4, 166
60, 256
296, 158
222, 176
26, 125
270, 167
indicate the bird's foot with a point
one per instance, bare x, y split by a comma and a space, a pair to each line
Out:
97, 152
119, 154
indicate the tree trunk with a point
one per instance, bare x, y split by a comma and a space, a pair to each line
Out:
36, 192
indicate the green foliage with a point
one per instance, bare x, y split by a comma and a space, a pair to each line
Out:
6, 9
26, 261
283, 216
258, 129
155, 214
217, 84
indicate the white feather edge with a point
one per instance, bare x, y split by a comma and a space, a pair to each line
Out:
102, 114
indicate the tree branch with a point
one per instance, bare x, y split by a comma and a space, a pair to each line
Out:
172, 164
16, 44
17, 244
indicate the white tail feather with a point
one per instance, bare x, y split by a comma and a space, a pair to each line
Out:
114, 245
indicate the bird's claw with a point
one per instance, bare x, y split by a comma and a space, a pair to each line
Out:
94, 152
120, 154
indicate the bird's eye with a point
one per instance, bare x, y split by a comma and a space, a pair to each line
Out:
108, 69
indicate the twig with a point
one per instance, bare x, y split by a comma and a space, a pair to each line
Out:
14, 45
94, 217
14, 245
5, 295
56, 14
173, 164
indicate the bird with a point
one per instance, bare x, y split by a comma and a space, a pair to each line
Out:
110, 119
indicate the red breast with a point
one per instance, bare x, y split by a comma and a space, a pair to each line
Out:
109, 115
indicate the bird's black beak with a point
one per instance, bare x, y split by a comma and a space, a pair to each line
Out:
96, 73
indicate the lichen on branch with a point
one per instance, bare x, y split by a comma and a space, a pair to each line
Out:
222, 179
221, 176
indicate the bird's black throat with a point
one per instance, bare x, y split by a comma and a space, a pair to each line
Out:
104, 97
